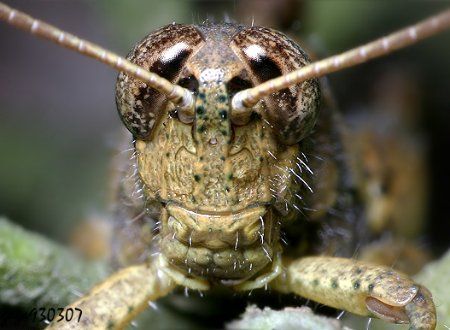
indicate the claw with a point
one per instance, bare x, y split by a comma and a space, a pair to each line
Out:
420, 311
360, 288
386, 312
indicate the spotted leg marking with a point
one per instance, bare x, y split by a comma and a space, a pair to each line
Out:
360, 288
113, 303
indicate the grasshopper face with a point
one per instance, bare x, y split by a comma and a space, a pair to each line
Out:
222, 182
217, 142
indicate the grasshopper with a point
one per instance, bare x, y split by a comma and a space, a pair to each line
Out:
222, 117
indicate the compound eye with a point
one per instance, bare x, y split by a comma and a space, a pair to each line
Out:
268, 54
164, 52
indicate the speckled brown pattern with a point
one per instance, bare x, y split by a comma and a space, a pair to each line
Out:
164, 52
268, 54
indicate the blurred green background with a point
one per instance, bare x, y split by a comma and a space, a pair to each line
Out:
59, 126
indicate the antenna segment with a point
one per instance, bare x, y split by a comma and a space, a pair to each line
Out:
244, 100
174, 93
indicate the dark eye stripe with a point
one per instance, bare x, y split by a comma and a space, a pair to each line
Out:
264, 68
169, 67
237, 84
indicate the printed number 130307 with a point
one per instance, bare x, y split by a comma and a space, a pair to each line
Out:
58, 314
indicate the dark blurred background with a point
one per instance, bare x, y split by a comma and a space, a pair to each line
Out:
58, 121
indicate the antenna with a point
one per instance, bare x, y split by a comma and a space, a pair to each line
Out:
243, 101
177, 94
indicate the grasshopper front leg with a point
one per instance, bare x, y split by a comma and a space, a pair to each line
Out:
360, 288
113, 303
